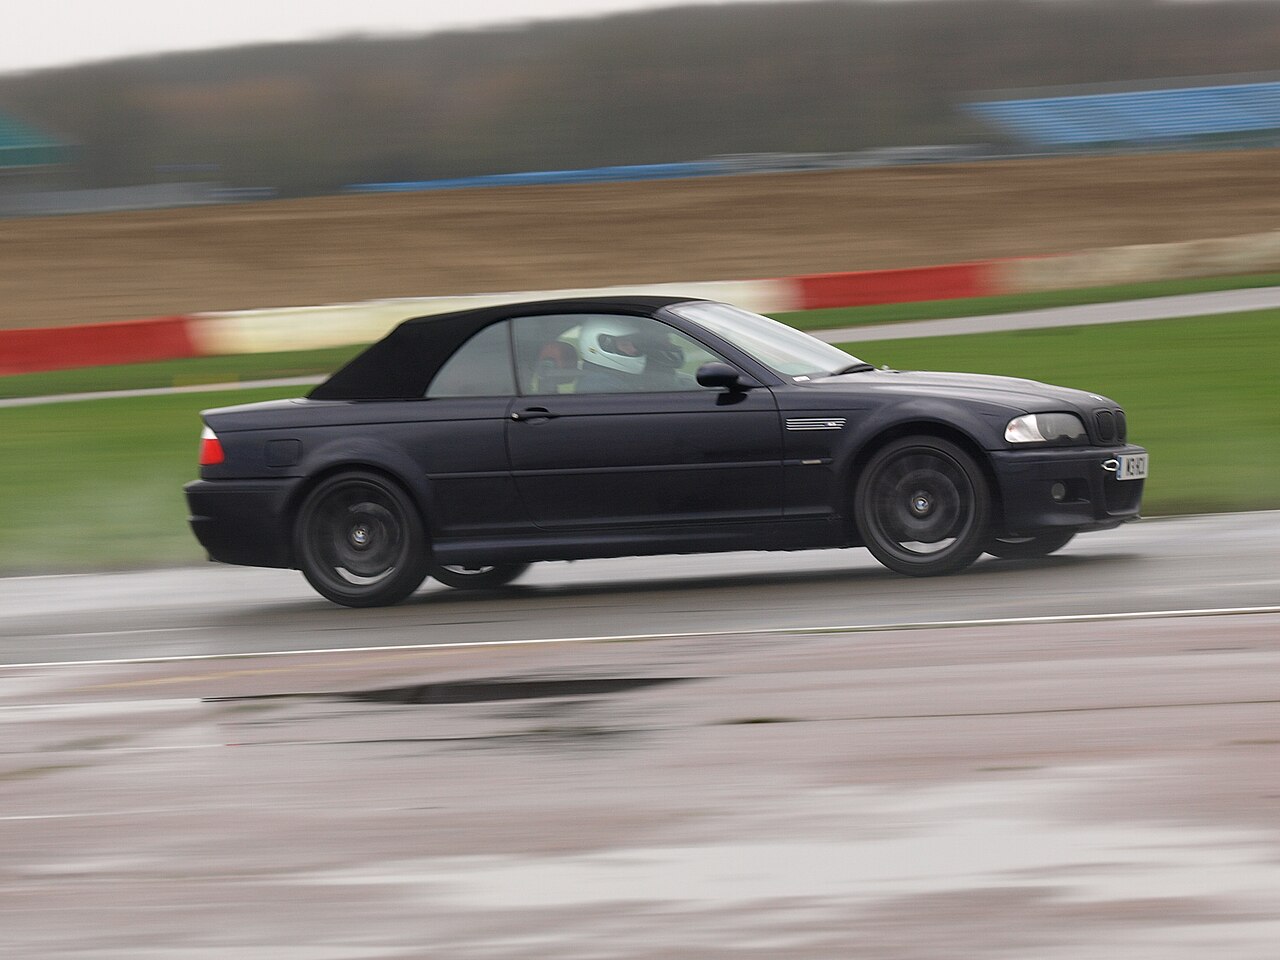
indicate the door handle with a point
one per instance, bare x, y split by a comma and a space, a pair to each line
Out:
533, 413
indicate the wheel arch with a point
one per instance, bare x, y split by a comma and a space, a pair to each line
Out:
942, 430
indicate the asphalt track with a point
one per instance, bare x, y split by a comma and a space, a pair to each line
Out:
1209, 562
1121, 311
1096, 779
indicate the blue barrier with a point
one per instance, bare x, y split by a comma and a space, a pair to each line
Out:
644, 171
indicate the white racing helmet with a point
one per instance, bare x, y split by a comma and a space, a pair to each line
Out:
611, 342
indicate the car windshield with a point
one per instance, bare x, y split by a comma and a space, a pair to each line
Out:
783, 349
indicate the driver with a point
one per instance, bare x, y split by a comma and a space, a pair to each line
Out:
624, 355
612, 357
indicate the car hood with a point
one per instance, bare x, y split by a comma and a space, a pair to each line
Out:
1028, 395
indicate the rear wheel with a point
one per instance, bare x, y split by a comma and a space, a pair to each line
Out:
359, 541
481, 577
923, 507
1029, 548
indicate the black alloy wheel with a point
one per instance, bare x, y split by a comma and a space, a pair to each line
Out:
1030, 548
923, 507
483, 577
359, 541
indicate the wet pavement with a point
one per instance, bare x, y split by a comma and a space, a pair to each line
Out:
1183, 563
1060, 791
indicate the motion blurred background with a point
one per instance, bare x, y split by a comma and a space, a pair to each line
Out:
994, 788
521, 152
740, 88
658, 86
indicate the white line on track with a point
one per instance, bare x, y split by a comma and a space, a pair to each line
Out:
158, 391
98, 813
106, 633
756, 632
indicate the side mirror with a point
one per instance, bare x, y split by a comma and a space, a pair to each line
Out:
717, 374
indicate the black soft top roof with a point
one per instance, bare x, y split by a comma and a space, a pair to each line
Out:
402, 364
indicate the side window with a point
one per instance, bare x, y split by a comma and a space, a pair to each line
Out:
605, 353
547, 353
481, 367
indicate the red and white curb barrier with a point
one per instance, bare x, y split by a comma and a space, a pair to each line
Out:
306, 328
96, 344
295, 328
340, 324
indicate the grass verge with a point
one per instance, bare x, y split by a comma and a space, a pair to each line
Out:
178, 373
1201, 393
98, 484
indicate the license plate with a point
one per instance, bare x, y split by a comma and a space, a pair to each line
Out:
1132, 466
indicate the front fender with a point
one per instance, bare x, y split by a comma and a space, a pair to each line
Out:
981, 425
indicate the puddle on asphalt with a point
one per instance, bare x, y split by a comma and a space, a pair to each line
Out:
481, 691
488, 691
938, 841
557, 702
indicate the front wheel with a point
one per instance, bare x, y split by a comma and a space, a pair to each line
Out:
923, 507
359, 540
482, 577
1029, 548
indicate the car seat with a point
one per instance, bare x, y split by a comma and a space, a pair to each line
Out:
556, 369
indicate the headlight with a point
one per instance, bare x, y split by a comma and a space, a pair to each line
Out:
1045, 428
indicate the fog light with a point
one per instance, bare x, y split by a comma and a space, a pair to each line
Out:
1058, 491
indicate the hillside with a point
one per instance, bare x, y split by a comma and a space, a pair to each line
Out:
665, 85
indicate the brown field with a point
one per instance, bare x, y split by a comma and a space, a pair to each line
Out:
78, 269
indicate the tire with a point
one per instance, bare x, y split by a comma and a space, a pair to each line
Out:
359, 540
1030, 548
484, 577
923, 507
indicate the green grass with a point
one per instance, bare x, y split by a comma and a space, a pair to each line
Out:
1201, 393
268, 366
98, 484
1012, 303
179, 373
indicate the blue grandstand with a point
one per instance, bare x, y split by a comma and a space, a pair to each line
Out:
1140, 116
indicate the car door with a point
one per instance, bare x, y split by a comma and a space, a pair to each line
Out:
612, 430
460, 440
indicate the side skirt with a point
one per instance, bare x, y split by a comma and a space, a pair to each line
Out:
653, 541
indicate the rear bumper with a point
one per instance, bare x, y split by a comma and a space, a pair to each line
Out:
243, 521
1089, 496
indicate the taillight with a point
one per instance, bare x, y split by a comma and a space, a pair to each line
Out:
210, 448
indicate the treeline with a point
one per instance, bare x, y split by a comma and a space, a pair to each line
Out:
670, 85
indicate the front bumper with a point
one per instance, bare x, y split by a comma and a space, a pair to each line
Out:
243, 521
1088, 496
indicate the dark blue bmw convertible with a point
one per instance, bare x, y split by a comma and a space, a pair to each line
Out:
468, 445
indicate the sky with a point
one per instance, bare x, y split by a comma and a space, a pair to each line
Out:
45, 33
